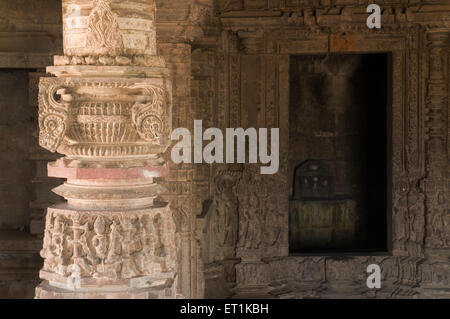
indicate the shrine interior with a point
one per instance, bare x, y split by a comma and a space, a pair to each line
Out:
90, 91
338, 121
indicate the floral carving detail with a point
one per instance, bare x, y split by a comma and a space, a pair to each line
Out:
115, 246
103, 29
148, 116
53, 114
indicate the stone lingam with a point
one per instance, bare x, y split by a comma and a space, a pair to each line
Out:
108, 111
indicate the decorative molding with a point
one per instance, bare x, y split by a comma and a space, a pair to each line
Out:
53, 114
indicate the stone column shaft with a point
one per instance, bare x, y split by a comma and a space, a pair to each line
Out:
108, 110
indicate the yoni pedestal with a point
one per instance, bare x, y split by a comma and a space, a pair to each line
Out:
111, 239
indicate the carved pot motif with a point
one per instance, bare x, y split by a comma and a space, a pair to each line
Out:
105, 117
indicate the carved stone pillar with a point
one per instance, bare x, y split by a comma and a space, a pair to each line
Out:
108, 110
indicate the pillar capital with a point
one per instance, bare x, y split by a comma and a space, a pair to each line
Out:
108, 110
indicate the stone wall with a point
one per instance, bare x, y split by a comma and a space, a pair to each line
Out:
268, 33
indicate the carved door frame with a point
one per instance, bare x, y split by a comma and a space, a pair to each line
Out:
406, 149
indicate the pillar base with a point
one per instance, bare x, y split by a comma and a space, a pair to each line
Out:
109, 254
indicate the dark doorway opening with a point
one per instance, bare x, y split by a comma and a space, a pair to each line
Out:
339, 153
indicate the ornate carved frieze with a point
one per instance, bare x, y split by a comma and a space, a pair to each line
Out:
331, 16
110, 246
262, 228
222, 220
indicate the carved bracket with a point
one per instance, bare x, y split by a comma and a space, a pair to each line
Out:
148, 117
53, 113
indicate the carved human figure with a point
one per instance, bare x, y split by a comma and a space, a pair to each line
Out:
115, 242
436, 62
129, 268
437, 224
82, 255
222, 219
251, 224
100, 241
159, 247
54, 245
273, 231
147, 234
59, 227
226, 206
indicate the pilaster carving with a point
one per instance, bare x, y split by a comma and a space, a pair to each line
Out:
418, 43
436, 183
108, 246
